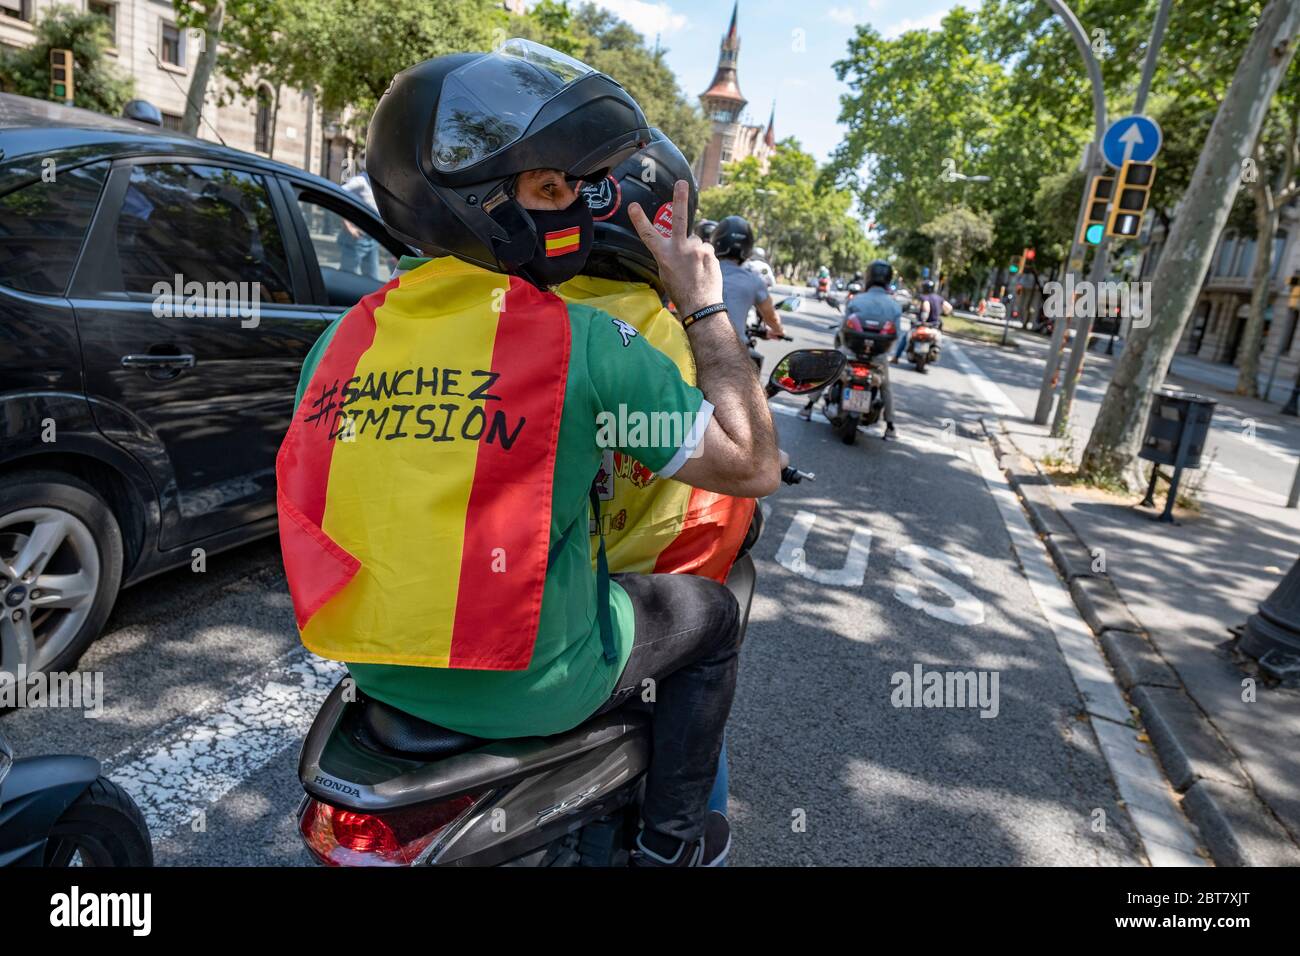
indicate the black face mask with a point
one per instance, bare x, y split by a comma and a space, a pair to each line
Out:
564, 238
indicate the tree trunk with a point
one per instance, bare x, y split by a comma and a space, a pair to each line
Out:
203, 69
1266, 219
1117, 435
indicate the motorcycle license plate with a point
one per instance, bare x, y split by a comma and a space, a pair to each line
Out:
857, 400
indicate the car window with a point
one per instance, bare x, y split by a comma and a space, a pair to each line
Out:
42, 225
202, 224
353, 260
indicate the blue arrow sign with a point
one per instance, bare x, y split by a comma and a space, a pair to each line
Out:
1131, 137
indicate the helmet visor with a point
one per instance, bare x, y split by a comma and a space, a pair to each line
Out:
487, 105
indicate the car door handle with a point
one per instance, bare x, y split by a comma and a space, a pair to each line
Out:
158, 361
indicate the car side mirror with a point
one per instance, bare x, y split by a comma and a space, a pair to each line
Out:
805, 370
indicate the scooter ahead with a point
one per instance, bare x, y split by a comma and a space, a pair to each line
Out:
384, 788
923, 346
59, 811
854, 397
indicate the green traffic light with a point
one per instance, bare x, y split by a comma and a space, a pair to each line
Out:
1015, 269
1094, 233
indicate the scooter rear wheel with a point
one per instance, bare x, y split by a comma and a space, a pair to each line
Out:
848, 429
103, 827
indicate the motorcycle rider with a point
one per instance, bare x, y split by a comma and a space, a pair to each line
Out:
450, 569
660, 525
874, 303
742, 290
704, 229
931, 312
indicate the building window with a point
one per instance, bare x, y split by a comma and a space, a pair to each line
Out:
262, 127
172, 121
172, 51
1279, 248
109, 13
17, 9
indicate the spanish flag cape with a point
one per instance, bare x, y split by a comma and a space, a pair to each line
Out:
415, 479
658, 525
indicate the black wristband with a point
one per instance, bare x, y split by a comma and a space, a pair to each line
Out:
703, 313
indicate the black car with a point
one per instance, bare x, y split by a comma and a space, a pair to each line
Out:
158, 294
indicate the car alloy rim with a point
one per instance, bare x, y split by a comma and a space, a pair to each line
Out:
49, 575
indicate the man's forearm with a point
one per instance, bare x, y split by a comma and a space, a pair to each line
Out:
726, 377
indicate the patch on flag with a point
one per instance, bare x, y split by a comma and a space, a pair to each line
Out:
563, 241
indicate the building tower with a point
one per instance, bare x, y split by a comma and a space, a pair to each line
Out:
722, 103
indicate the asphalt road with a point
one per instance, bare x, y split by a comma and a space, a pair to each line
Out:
897, 556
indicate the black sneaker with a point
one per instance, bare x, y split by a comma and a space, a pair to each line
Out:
805, 413
889, 434
709, 850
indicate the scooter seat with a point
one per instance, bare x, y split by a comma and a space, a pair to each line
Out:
395, 730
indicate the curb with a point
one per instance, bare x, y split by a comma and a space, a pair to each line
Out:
1237, 827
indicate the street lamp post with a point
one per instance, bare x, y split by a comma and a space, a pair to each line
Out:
1100, 262
1093, 165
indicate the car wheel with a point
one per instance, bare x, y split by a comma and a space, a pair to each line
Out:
60, 568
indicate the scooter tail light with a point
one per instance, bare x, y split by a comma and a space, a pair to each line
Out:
889, 329
853, 323
340, 837
860, 371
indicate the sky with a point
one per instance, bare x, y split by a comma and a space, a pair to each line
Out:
771, 65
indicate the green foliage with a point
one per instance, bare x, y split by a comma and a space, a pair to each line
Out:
801, 226
603, 41
957, 235
96, 84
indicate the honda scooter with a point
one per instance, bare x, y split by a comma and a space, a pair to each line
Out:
854, 397
59, 811
384, 788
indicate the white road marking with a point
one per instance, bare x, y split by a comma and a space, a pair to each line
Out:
1165, 834
194, 760
985, 385
966, 609
793, 557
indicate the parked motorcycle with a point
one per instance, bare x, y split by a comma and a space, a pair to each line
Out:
854, 397
60, 811
384, 788
923, 346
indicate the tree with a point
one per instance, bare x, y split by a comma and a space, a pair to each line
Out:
1116, 437
96, 84
208, 16
1270, 194
957, 235
800, 225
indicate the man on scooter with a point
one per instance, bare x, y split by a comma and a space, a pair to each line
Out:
874, 303
742, 290
931, 312
435, 481
662, 525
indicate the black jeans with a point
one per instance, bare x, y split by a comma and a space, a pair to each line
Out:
687, 643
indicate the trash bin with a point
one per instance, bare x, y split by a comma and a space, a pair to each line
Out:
1177, 429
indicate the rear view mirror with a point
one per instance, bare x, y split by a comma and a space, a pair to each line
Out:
806, 370
790, 304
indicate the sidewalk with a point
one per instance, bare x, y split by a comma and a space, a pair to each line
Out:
1161, 599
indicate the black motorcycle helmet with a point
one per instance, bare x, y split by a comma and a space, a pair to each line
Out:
880, 273
927, 286
704, 229
450, 134
617, 252
733, 238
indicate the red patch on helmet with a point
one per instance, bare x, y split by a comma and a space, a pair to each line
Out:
663, 220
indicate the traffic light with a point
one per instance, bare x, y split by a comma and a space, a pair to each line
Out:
1099, 193
61, 75
1029, 255
1135, 181
1016, 263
